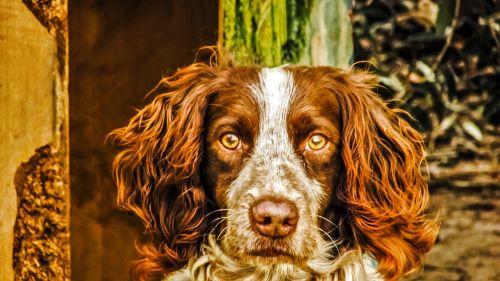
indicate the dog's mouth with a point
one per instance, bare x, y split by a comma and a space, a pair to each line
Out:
270, 253
269, 250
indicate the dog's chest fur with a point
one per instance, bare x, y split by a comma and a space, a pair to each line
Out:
215, 265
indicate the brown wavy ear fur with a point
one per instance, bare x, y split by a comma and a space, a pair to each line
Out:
382, 185
157, 170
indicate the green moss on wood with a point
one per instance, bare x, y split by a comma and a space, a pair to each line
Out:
274, 32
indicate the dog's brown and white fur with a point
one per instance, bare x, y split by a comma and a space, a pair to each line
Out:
360, 197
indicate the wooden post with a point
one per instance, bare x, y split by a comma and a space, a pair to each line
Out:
275, 32
34, 186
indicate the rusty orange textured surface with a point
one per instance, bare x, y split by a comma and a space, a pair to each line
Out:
41, 232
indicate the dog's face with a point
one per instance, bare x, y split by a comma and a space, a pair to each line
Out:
272, 163
284, 166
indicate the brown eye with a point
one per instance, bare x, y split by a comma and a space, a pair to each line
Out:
230, 141
316, 142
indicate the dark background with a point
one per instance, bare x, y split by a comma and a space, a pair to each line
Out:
119, 50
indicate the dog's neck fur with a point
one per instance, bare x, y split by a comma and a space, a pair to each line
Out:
214, 265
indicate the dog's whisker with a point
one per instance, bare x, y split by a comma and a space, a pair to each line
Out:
221, 232
327, 220
216, 211
325, 233
332, 241
329, 237
217, 222
217, 219
213, 225
309, 244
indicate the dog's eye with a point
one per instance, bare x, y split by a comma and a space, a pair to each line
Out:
316, 142
230, 141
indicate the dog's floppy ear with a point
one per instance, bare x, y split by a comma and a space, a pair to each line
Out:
381, 183
157, 170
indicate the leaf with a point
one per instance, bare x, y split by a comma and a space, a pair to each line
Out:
447, 122
425, 13
426, 70
393, 83
471, 129
445, 16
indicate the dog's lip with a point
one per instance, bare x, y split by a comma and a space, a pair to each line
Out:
270, 252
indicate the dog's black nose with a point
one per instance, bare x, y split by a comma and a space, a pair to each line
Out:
274, 218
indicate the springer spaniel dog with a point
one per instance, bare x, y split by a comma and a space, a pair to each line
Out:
287, 173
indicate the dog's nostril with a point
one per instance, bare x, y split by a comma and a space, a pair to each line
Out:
274, 218
267, 220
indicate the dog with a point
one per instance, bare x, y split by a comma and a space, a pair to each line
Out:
287, 173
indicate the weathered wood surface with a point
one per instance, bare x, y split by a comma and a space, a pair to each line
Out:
33, 114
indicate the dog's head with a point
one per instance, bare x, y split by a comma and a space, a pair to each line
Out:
279, 163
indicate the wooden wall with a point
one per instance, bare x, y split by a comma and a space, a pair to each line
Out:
119, 50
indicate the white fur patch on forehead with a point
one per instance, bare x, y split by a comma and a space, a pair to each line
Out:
278, 87
273, 94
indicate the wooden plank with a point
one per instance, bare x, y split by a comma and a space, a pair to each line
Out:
33, 115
